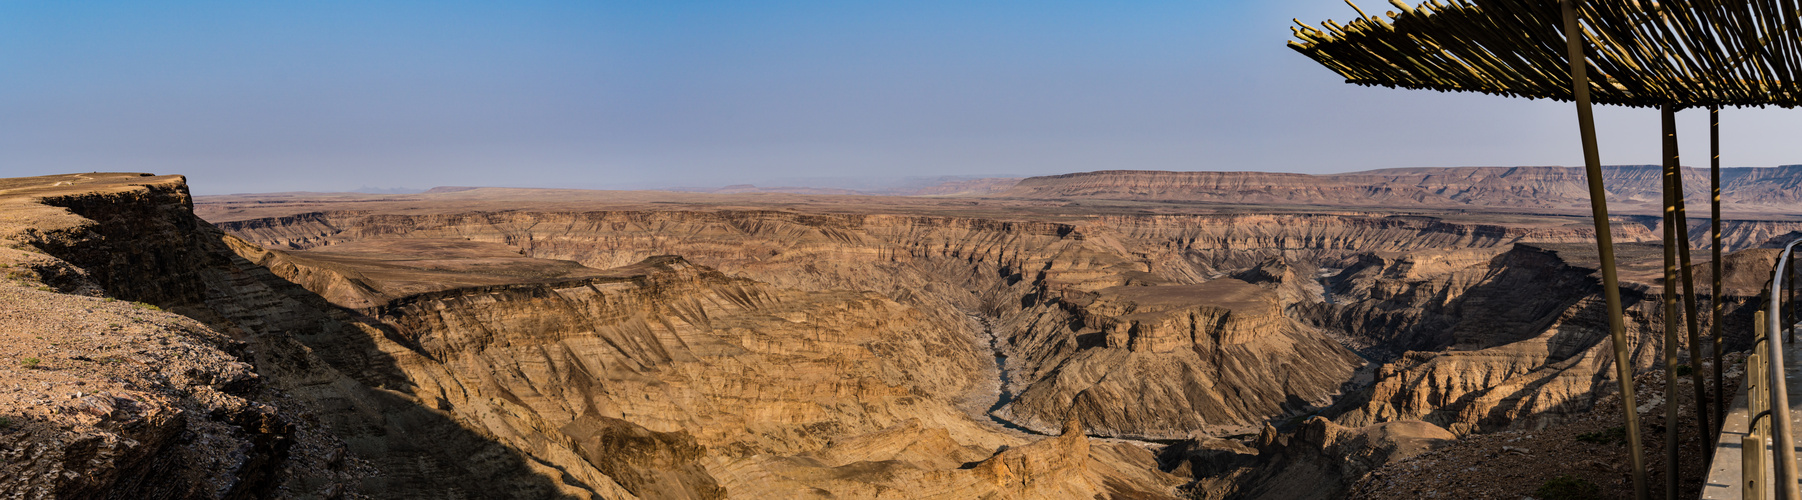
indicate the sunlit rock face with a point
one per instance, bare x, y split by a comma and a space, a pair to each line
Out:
1070, 304
1159, 327
1488, 341
1169, 361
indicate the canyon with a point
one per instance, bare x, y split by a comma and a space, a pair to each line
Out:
1102, 335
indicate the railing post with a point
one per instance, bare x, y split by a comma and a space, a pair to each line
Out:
1751, 463
1752, 446
1757, 371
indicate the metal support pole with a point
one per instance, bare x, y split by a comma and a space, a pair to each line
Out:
1598, 203
1681, 218
1672, 473
1716, 301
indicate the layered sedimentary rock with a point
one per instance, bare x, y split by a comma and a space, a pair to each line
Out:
1741, 234
1150, 326
1631, 188
1516, 340
750, 391
1170, 361
735, 353
675, 348
1017, 274
458, 371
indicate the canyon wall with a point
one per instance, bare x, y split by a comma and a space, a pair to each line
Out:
1479, 342
736, 353
1038, 280
1163, 327
661, 379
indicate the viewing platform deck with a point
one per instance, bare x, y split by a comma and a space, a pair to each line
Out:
1724, 475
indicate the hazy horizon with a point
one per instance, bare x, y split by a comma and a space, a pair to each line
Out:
337, 96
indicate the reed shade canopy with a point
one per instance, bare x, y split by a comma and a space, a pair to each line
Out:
1685, 53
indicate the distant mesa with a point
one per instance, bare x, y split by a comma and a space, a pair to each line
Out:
936, 186
388, 190
1631, 189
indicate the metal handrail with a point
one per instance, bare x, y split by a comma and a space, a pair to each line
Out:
1784, 447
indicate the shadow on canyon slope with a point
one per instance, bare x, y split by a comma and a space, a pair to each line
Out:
421, 449
153, 250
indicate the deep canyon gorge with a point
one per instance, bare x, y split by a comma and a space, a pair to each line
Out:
1102, 335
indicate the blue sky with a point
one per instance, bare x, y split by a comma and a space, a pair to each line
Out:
325, 95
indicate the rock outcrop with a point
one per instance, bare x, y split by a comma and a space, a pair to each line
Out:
1170, 361
116, 399
1478, 354
323, 382
1319, 461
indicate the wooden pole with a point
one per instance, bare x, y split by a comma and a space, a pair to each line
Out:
1598, 204
1668, 116
1716, 302
1681, 219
